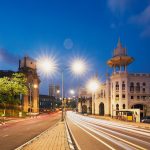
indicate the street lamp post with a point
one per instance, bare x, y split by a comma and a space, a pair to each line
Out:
62, 94
30, 96
47, 65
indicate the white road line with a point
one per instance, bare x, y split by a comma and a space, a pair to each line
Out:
76, 143
126, 136
116, 142
94, 136
116, 126
137, 146
73, 118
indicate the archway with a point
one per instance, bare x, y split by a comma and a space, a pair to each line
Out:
84, 109
101, 109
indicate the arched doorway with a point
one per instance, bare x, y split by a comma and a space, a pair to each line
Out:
142, 109
101, 109
29, 109
84, 109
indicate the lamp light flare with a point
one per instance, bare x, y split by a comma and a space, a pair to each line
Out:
78, 67
72, 92
47, 65
93, 85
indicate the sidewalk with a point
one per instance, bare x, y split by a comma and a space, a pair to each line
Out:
53, 139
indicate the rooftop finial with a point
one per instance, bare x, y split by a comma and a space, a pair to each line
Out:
119, 42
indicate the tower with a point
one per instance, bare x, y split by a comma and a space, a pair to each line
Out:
120, 59
30, 101
119, 79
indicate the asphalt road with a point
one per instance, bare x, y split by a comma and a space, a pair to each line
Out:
12, 135
98, 134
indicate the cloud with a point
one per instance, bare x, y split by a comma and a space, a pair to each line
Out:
118, 5
7, 57
142, 19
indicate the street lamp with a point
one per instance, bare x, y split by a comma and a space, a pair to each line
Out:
31, 86
92, 86
48, 66
72, 92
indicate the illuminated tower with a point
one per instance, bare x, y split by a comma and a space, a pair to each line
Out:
119, 79
120, 59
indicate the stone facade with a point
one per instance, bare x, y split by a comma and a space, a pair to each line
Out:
30, 101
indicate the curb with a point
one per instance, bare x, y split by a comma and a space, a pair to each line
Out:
72, 138
71, 145
35, 138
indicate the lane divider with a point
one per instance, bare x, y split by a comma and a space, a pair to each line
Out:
110, 147
137, 146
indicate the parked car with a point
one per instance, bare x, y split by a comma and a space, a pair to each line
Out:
146, 119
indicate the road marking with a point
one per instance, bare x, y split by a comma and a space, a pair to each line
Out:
138, 140
80, 121
137, 146
76, 143
93, 136
119, 143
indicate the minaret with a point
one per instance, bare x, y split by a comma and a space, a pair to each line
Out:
120, 59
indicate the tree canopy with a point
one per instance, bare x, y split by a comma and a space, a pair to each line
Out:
12, 87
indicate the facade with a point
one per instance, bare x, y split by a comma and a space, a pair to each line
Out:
30, 101
122, 90
84, 101
46, 103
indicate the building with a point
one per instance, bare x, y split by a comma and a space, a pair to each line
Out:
84, 101
27, 66
121, 90
46, 103
54, 90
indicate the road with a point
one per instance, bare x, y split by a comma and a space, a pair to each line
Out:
12, 135
98, 134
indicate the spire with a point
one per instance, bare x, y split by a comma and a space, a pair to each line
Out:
119, 43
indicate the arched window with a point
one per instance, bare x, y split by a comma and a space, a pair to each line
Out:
117, 106
123, 85
137, 87
144, 84
124, 106
131, 87
117, 86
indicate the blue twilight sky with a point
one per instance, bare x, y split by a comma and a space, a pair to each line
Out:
68, 28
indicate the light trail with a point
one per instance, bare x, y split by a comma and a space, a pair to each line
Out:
124, 141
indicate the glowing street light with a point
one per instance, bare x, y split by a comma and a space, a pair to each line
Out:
72, 92
47, 65
93, 85
58, 91
78, 66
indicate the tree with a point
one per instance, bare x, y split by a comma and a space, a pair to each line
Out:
11, 88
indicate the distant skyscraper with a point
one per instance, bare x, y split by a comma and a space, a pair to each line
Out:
54, 90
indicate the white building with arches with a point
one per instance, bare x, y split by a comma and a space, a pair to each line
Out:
122, 90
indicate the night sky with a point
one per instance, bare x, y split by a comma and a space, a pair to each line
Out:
71, 28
